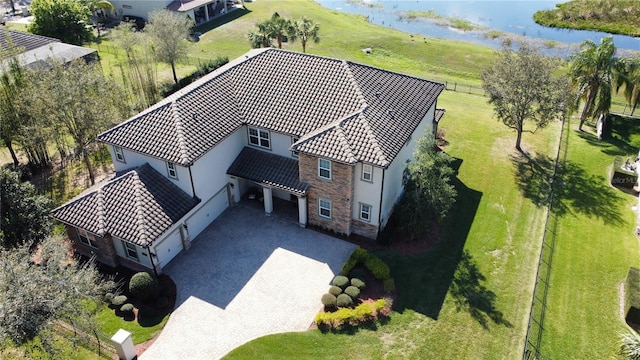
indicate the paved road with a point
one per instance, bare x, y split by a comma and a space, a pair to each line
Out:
247, 275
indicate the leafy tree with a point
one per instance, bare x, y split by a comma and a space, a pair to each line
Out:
25, 214
628, 71
168, 32
592, 75
521, 87
43, 285
79, 99
428, 189
11, 82
306, 29
65, 20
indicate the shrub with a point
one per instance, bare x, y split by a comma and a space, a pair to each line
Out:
108, 297
126, 308
357, 283
378, 268
358, 273
162, 302
366, 312
340, 281
329, 300
630, 347
119, 300
389, 285
357, 256
344, 300
352, 291
335, 290
142, 286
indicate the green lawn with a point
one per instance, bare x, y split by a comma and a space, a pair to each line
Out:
110, 324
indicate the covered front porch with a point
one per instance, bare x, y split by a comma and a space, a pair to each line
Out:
269, 179
202, 11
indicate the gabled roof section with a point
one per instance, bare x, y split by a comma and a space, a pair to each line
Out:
341, 110
137, 206
24, 41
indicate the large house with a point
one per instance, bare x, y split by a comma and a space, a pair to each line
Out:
200, 11
331, 136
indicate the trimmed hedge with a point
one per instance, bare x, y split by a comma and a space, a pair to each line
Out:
329, 300
378, 268
353, 292
344, 300
335, 290
142, 286
366, 312
340, 281
119, 300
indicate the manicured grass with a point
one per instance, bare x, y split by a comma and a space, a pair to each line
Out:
110, 324
595, 246
469, 296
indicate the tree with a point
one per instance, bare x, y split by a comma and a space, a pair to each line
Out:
168, 32
306, 29
428, 189
25, 214
65, 20
43, 285
262, 37
11, 83
628, 71
280, 27
78, 98
592, 76
521, 87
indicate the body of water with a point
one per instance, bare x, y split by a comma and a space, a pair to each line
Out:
514, 18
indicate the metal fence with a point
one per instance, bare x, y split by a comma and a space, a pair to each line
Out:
535, 328
92, 340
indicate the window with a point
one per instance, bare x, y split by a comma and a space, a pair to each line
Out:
324, 208
259, 138
365, 212
119, 154
294, 139
324, 169
367, 172
130, 250
84, 238
171, 170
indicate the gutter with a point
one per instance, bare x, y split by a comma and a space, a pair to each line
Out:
384, 171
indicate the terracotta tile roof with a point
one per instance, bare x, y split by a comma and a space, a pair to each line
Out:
269, 169
137, 206
341, 110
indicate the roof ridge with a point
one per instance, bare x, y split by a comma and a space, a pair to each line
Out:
94, 191
324, 129
180, 134
102, 228
373, 140
355, 84
141, 223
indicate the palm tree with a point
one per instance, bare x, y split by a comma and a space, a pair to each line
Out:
592, 75
262, 37
629, 77
306, 29
279, 27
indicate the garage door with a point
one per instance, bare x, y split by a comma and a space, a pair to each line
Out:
208, 212
169, 248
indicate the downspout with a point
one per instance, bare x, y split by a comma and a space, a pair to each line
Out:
380, 207
193, 188
151, 255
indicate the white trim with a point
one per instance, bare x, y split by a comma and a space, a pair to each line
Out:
126, 244
261, 136
367, 170
172, 172
327, 208
117, 150
294, 139
84, 234
366, 218
323, 168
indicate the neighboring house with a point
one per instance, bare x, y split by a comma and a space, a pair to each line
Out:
331, 136
201, 11
35, 49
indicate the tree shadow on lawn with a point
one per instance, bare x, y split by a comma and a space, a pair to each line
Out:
576, 191
423, 280
616, 137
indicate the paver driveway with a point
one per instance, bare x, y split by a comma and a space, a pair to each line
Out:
247, 275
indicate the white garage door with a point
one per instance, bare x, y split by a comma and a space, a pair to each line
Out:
208, 212
169, 248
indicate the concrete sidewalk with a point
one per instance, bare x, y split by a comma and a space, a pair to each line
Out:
246, 276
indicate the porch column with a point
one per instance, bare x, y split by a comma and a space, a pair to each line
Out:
235, 188
268, 200
206, 13
302, 211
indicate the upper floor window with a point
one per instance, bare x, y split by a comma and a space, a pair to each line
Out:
365, 212
84, 238
367, 172
259, 137
324, 169
130, 250
294, 139
119, 154
171, 170
324, 208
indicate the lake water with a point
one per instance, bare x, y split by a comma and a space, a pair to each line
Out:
514, 18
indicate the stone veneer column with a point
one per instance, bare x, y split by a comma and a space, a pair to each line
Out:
339, 190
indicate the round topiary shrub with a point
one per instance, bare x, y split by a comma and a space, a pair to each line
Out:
108, 297
119, 300
352, 291
126, 308
344, 300
329, 300
142, 286
357, 283
335, 290
340, 281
